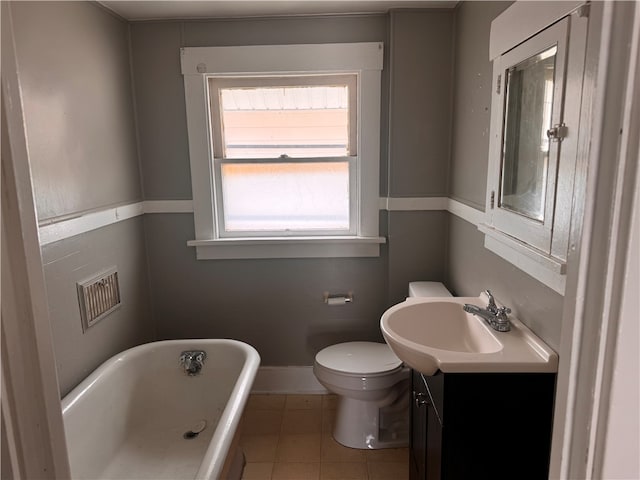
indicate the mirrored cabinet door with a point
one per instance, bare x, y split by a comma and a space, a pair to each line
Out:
530, 89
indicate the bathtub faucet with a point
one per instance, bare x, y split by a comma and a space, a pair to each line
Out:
193, 360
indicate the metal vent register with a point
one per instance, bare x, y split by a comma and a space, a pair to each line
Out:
98, 297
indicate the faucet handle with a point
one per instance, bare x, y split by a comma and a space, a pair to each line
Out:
501, 322
492, 307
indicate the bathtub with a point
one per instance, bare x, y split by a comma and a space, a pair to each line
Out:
138, 415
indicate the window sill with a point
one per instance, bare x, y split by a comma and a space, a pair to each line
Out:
287, 247
546, 269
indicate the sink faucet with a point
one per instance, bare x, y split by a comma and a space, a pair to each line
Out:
495, 316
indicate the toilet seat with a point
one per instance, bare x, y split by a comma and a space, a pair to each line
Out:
359, 369
358, 359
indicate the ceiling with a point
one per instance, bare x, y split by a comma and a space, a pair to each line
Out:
186, 9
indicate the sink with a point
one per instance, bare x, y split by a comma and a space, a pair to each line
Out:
431, 334
443, 326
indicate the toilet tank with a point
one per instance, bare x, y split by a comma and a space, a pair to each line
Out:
428, 289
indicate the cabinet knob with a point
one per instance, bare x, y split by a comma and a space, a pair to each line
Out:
420, 399
557, 132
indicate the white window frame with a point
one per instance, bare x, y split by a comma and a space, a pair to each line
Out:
217, 83
201, 63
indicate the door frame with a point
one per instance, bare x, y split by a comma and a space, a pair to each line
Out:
33, 440
598, 246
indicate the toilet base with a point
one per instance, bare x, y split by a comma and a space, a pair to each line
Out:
362, 424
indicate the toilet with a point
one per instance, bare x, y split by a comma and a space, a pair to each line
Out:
372, 385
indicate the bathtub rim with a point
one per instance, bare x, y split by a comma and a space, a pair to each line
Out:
218, 449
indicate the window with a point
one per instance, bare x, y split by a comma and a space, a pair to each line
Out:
284, 154
284, 149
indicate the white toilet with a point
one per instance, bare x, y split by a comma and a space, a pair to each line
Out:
372, 386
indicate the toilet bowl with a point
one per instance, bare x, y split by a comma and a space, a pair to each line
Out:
372, 386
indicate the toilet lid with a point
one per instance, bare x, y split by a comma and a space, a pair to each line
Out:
359, 358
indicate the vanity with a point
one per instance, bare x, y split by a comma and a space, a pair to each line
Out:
481, 425
481, 399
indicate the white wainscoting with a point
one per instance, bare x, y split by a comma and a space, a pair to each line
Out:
57, 229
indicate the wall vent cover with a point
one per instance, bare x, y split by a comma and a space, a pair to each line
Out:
98, 297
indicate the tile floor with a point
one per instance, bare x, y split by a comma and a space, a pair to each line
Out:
289, 437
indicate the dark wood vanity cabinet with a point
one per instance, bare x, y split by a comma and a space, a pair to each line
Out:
481, 426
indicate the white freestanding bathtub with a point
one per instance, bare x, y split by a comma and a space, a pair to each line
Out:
141, 416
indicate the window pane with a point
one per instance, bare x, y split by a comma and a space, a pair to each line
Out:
286, 196
268, 122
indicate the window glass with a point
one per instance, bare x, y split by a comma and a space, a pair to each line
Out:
286, 196
269, 122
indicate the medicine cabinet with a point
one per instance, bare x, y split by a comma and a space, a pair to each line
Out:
535, 125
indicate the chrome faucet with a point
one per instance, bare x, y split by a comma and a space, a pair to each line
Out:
193, 360
495, 316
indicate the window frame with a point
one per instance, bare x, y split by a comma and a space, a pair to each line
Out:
198, 64
217, 83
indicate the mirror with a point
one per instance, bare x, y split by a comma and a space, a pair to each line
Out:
525, 150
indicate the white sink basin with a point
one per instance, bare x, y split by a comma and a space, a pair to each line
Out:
431, 334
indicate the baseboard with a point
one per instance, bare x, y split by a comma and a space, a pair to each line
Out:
300, 380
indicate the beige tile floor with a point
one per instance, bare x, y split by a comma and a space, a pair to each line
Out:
289, 437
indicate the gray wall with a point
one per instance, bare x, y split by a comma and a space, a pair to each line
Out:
80, 257
471, 268
420, 102
276, 305
416, 250
75, 78
421, 65
74, 73
472, 101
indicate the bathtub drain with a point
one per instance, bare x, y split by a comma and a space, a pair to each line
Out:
195, 431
